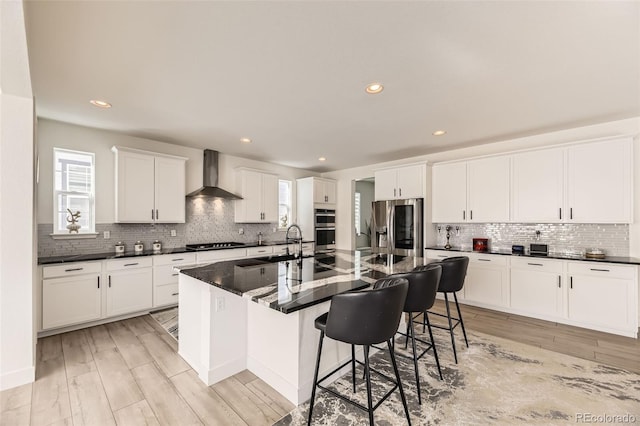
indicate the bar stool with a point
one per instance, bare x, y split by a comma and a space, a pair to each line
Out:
421, 296
364, 318
454, 271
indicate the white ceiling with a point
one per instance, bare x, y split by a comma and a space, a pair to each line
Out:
291, 74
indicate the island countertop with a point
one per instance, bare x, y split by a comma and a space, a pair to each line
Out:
290, 285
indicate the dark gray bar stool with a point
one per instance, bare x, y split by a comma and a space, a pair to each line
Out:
421, 295
363, 318
454, 271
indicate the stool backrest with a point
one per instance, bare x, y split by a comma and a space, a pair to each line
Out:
423, 286
367, 317
454, 271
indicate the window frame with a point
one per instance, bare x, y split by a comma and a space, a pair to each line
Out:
60, 228
357, 211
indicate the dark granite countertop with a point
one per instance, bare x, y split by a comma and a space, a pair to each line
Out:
551, 255
288, 286
110, 255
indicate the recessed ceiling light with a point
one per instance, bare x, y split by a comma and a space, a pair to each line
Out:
322, 159
100, 104
439, 132
245, 140
374, 88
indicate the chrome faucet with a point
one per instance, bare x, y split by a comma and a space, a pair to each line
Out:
295, 240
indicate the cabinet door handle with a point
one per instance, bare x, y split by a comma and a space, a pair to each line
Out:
98, 281
535, 264
174, 275
484, 260
470, 214
570, 282
600, 270
394, 192
153, 215
571, 213
176, 260
400, 192
73, 269
109, 281
174, 294
464, 215
560, 212
157, 215
559, 281
262, 251
130, 264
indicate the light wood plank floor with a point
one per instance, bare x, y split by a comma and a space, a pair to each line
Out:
129, 373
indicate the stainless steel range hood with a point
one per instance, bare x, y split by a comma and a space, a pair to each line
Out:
210, 187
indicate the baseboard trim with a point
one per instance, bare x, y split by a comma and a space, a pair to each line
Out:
17, 378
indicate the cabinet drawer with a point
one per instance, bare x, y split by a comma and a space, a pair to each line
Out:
487, 259
441, 254
164, 274
602, 269
260, 251
165, 295
129, 263
174, 259
281, 249
307, 248
70, 269
545, 265
216, 255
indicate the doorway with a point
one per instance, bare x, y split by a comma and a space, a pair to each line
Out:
363, 196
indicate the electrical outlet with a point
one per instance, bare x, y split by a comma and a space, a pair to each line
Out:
106, 235
173, 233
219, 304
241, 231
275, 229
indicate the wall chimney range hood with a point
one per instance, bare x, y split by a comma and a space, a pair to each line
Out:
210, 187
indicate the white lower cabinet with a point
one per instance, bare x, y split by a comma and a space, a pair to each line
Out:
537, 287
603, 296
165, 279
129, 285
71, 294
487, 281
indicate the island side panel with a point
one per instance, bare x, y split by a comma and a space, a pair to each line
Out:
215, 322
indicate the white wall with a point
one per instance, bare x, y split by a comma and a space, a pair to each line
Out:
64, 135
17, 247
345, 178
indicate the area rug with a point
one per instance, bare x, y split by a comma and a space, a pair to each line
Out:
168, 319
496, 381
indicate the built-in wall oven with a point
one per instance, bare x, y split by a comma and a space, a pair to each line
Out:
325, 229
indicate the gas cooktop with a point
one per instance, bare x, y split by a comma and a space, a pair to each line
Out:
209, 246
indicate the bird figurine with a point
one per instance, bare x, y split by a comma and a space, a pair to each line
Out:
73, 226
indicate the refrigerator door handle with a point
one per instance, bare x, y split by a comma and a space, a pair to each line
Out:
391, 238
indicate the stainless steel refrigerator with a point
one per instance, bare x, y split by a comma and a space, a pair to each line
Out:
396, 227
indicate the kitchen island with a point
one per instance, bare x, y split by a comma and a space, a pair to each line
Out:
258, 314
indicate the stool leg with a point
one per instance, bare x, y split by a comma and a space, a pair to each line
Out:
315, 378
406, 336
395, 369
368, 377
424, 322
353, 367
415, 362
460, 318
453, 339
433, 344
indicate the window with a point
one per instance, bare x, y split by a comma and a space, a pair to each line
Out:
284, 203
74, 190
356, 212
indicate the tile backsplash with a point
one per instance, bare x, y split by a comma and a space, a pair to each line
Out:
207, 220
568, 238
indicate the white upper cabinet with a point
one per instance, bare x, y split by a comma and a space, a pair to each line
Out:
449, 197
599, 182
259, 193
537, 186
488, 189
324, 191
400, 183
150, 187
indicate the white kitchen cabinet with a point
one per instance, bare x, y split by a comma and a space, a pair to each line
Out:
212, 256
324, 191
149, 188
71, 294
400, 183
487, 281
449, 196
599, 181
488, 189
537, 187
129, 285
603, 297
537, 287
259, 193
165, 279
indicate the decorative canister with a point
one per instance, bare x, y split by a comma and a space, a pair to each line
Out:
157, 246
481, 244
120, 247
138, 247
